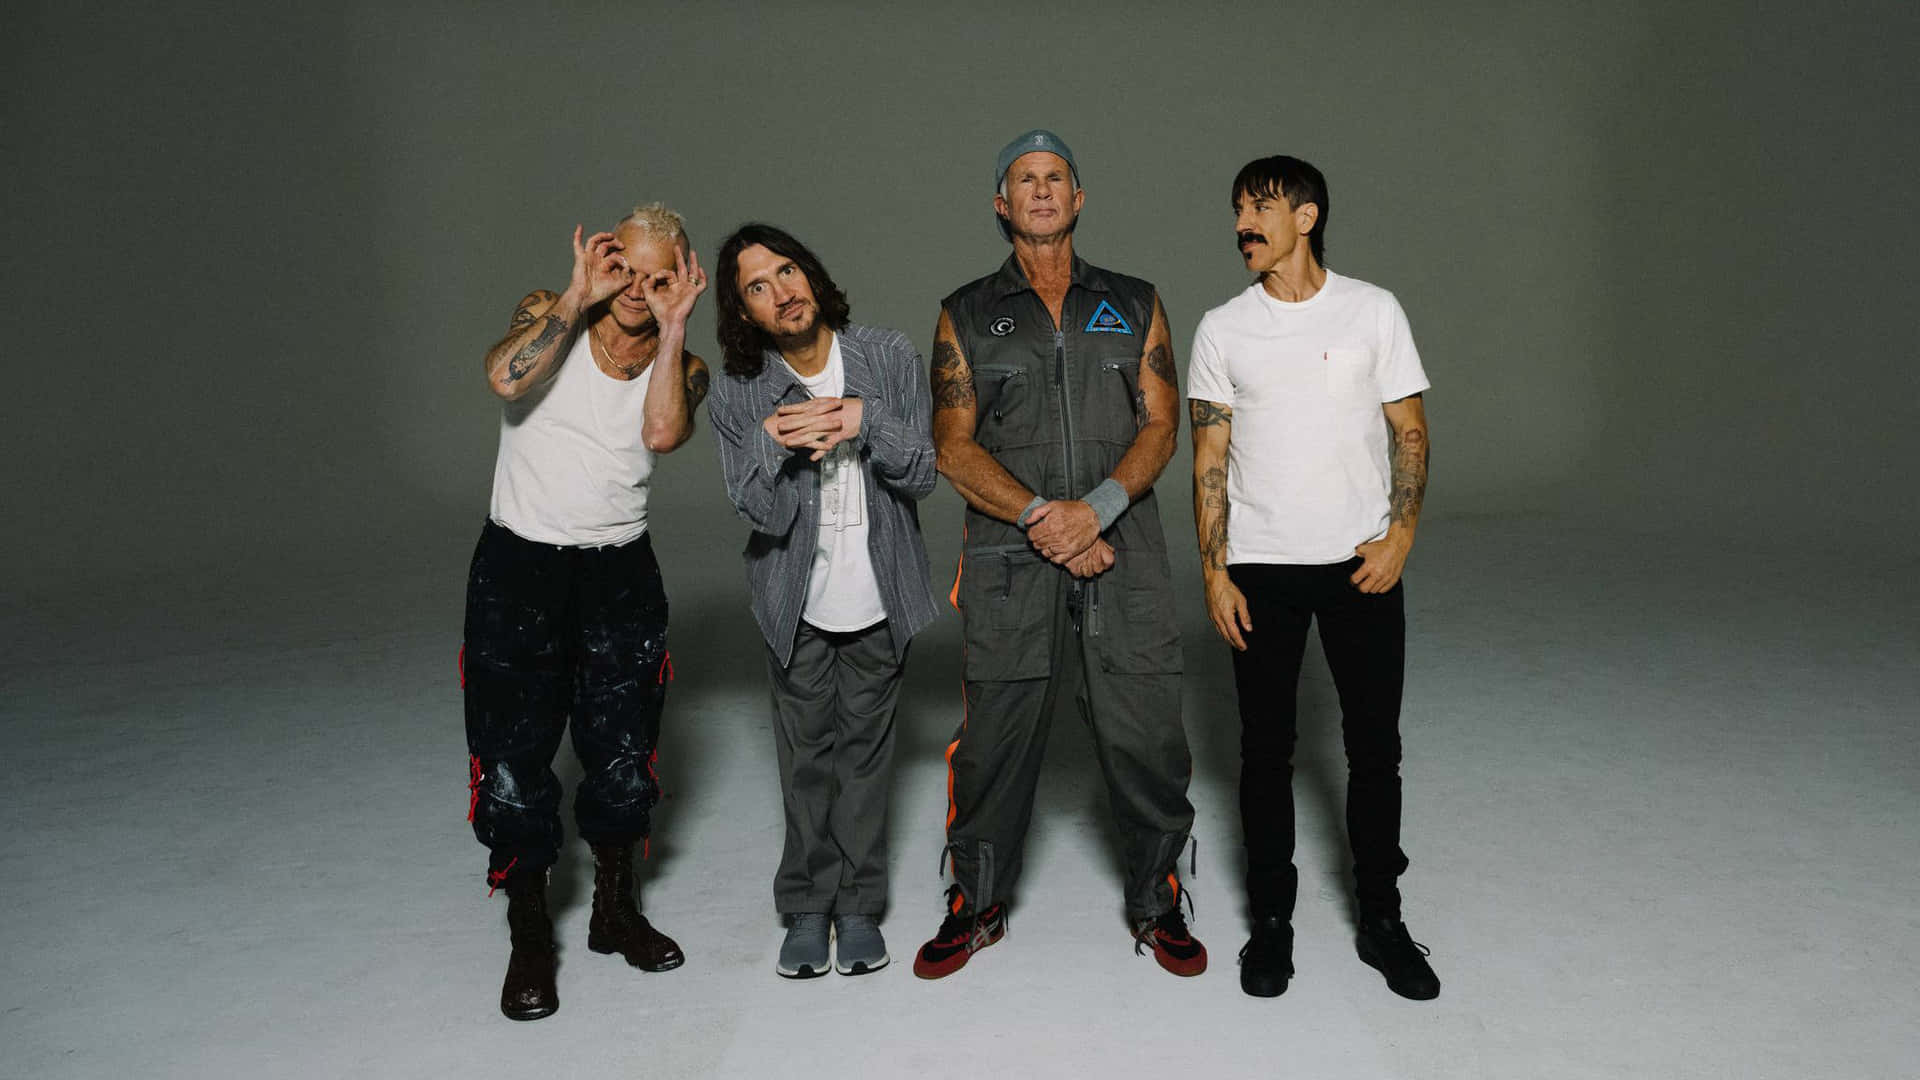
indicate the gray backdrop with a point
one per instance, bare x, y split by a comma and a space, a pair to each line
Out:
1655, 255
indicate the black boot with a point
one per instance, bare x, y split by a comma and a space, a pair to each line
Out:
1386, 946
617, 925
1266, 961
528, 992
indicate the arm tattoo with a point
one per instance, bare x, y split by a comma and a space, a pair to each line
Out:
696, 387
952, 382
1160, 362
552, 329
1213, 538
1208, 413
1409, 475
523, 315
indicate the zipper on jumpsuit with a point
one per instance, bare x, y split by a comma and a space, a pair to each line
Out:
1090, 590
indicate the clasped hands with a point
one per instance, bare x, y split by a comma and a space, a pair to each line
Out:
1067, 532
815, 425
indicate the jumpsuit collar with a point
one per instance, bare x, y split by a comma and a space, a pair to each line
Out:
1012, 279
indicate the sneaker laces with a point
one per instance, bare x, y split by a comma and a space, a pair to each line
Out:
1169, 923
957, 924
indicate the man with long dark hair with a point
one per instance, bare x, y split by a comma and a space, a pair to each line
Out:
566, 616
1309, 468
824, 440
1054, 413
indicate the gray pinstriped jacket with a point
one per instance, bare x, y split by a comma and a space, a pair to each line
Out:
777, 491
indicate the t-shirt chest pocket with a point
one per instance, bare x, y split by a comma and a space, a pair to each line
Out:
1349, 375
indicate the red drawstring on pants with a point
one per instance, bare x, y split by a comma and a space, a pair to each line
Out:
497, 878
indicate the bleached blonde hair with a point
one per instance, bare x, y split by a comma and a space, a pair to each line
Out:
654, 219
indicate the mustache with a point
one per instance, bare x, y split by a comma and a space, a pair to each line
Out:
1243, 237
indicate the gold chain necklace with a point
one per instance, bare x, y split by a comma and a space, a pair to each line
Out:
629, 372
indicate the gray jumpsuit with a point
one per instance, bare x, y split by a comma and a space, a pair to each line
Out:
1058, 408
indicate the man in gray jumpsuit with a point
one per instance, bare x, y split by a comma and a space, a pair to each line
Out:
1055, 405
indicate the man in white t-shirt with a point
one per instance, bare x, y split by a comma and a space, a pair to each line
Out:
566, 617
1309, 467
827, 448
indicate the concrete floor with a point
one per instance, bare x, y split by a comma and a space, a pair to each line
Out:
1660, 805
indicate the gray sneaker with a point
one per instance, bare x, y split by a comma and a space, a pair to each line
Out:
804, 954
859, 948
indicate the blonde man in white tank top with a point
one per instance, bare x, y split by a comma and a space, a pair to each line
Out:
566, 621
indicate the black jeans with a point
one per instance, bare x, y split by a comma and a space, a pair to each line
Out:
556, 634
1365, 641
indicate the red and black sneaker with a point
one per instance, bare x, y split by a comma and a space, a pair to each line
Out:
960, 936
1174, 947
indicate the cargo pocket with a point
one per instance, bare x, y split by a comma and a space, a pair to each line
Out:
1140, 628
1006, 607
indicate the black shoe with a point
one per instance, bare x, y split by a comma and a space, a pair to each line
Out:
617, 925
1386, 946
1266, 961
527, 993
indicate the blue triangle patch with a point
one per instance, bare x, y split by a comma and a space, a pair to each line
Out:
1107, 321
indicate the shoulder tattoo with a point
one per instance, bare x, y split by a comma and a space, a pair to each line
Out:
952, 382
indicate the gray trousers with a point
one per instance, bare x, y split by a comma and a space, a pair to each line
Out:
833, 730
994, 768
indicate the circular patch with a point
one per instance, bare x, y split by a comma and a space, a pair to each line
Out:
1001, 326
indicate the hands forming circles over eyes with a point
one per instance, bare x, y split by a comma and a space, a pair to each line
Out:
601, 269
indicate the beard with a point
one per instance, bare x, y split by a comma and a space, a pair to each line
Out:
796, 323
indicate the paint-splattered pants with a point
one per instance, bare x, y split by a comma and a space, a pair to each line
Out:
552, 634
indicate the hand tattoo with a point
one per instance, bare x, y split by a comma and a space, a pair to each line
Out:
952, 382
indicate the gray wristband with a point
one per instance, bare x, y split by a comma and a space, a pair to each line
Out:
1036, 504
1109, 501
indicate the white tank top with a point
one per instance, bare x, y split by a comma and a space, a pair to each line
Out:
572, 469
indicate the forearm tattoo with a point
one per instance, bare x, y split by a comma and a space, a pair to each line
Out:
552, 329
952, 382
523, 316
1213, 518
696, 387
1409, 475
1207, 413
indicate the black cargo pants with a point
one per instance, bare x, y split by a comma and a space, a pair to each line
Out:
559, 634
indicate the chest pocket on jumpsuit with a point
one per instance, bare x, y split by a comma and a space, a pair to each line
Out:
1000, 391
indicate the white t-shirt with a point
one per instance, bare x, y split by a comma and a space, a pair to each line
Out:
1308, 473
572, 469
842, 594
